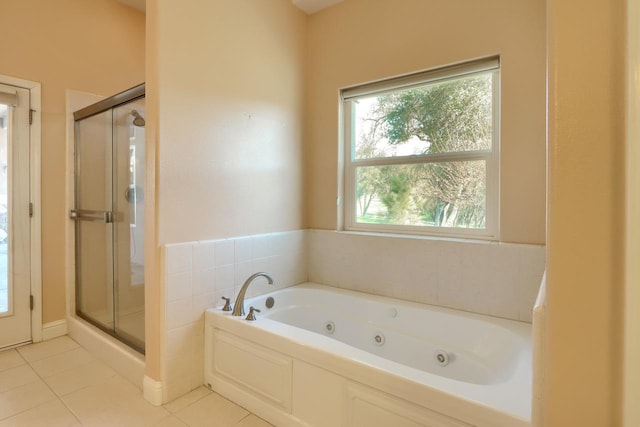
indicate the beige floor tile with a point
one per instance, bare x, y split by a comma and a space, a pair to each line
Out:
171, 421
94, 395
10, 359
115, 402
41, 350
253, 421
50, 414
213, 410
92, 373
15, 377
25, 397
187, 399
62, 362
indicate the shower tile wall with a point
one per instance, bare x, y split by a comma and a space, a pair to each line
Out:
483, 277
197, 276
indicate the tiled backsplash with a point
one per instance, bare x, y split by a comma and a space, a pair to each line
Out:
197, 276
498, 279
483, 277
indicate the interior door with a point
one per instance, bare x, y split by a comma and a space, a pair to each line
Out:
15, 269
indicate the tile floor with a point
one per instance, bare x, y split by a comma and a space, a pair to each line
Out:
57, 383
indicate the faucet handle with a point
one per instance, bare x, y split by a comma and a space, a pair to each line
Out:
227, 304
252, 316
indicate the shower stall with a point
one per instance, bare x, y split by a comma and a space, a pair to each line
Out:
109, 215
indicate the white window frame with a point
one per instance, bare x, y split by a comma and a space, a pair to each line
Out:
347, 215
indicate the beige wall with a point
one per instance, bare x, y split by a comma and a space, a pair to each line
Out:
586, 228
93, 46
231, 83
225, 106
363, 40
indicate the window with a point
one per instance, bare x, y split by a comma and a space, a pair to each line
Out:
421, 153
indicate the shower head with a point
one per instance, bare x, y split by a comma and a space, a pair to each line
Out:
138, 120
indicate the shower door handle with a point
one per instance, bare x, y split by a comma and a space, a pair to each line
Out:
89, 215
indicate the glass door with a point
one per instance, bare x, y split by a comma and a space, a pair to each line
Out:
109, 214
94, 220
128, 199
15, 276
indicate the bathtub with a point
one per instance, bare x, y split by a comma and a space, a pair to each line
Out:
322, 356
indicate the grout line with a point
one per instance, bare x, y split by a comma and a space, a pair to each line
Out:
243, 418
51, 355
57, 397
190, 404
93, 358
60, 398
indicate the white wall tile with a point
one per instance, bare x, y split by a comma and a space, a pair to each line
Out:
177, 378
276, 243
531, 258
200, 303
243, 249
293, 242
484, 277
504, 294
261, 264
179, 313
204, 255
178, 258
224, 276
179, 286
262, 246
204, 281
179, 341
224, 252
529, 285
277, 267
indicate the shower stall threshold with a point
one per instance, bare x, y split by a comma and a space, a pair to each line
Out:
119, 356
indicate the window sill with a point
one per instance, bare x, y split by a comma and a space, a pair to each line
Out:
431, 237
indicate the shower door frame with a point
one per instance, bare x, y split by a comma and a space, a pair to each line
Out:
130, 95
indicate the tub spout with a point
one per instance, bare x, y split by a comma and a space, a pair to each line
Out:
238, 307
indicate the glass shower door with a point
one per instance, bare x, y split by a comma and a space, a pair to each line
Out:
128, 199
94, 220
109, 215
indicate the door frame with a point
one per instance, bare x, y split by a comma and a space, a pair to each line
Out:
631, 374
35, 226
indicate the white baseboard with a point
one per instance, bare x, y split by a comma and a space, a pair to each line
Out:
152, 391
54, 329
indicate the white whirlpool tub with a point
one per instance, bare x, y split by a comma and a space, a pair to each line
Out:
322, 356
